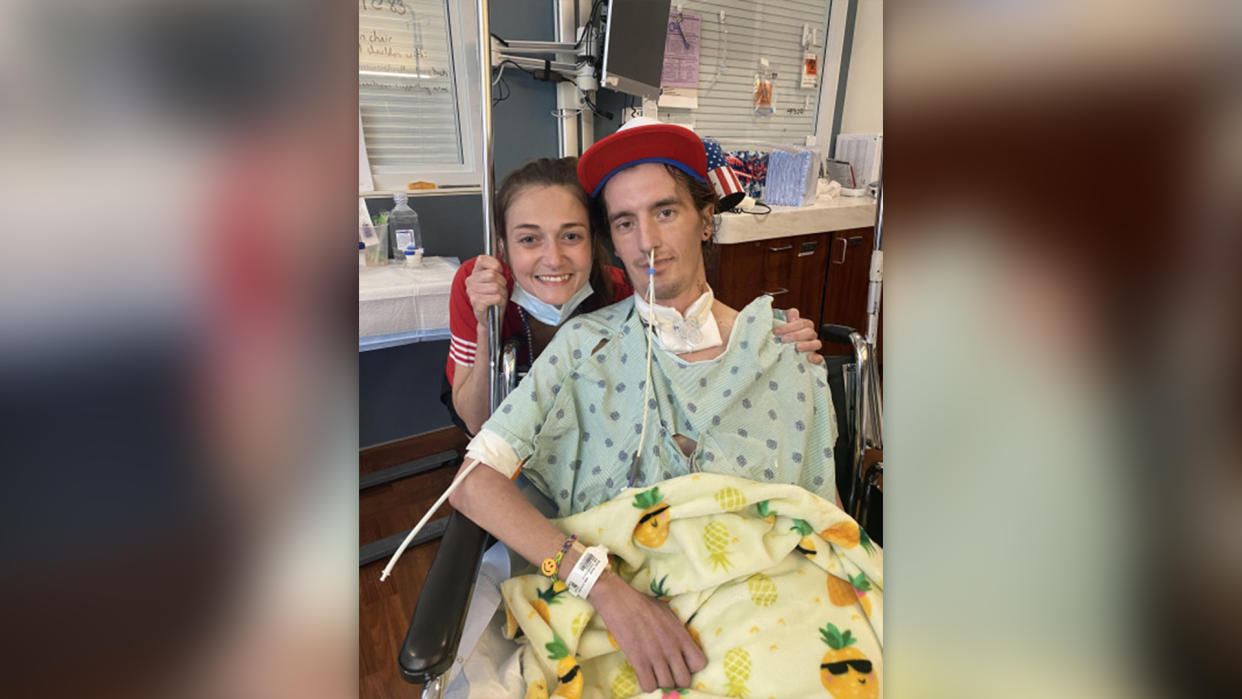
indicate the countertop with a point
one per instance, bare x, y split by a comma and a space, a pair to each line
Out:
826, 214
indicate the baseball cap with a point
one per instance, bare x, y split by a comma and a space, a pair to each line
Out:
642, 140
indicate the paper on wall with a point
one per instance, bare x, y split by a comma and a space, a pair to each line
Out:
679, 98
681, 51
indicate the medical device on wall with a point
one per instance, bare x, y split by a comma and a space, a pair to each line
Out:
634, 46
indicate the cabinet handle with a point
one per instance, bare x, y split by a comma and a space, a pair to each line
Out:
779, 249
846, 243
808, 248
778, 292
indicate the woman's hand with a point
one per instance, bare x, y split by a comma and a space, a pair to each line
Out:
486, 287
652, 637
802, 331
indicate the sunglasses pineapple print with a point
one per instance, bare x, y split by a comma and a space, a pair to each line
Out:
652, 529
806, 546
845, 672
568, 672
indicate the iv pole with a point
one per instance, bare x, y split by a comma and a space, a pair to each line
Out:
582, 73
490, 245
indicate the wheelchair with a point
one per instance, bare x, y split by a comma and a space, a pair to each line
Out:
435, 631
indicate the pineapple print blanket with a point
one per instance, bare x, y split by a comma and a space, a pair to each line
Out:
781, 589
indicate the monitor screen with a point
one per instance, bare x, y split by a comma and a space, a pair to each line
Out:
634, 46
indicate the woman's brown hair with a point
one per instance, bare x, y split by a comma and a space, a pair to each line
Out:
557, 172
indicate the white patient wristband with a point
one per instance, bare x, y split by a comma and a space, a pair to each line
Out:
591, 564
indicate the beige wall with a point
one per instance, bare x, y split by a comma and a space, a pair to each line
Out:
864, 90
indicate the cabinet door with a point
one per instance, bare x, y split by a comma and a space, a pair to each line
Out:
790, 269
845, 291
736, 275
810, 258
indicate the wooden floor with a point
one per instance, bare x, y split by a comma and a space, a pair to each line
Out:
385, 607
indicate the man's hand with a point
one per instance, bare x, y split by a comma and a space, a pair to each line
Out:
486, 287
802, 331
652, 637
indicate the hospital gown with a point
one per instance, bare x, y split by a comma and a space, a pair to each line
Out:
760, 410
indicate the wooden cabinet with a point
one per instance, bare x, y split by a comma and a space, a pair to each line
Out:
790, 269
823, 275
845, 287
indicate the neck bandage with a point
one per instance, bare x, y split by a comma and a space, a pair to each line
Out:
696, 330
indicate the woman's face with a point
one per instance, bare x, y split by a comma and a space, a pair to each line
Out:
548, 242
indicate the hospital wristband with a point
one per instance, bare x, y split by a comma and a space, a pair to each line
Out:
591, 564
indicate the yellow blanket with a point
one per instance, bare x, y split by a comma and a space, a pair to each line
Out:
781, 589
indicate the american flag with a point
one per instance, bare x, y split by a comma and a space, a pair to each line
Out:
722, 177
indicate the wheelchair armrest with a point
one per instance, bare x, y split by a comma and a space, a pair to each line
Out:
430, 645
829, 332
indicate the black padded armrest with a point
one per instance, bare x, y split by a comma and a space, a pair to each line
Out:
835, 333
435, 629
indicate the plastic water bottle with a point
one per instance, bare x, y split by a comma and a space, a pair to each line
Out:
403, 228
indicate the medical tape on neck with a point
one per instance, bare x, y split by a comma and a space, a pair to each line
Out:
696, 330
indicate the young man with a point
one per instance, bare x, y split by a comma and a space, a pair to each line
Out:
594, 416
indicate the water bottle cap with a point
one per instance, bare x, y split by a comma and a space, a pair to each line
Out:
361, 245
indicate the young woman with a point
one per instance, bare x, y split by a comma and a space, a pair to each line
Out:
551, 267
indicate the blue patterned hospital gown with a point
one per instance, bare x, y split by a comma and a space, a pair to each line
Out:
760, 410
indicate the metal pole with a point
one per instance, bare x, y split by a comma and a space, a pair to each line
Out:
566, 93
488, 185
876, 274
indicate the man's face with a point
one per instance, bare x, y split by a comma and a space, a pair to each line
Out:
648, 210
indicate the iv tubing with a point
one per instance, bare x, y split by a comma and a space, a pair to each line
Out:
423, 522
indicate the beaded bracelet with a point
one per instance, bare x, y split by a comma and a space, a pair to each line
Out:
552, 565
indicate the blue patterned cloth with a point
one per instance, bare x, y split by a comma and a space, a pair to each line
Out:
787, 177
760, 410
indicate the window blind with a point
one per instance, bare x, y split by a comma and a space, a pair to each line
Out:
729, 56
408, 88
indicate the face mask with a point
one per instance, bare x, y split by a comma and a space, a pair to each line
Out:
697, 330
545, 312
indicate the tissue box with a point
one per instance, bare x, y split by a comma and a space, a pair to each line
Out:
792, 176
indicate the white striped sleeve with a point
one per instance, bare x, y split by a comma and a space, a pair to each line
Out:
462, 351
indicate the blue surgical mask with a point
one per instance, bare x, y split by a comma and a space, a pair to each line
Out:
545, 312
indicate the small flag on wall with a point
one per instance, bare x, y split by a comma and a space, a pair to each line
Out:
722, 177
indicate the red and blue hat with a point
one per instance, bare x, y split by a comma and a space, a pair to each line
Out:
642, 140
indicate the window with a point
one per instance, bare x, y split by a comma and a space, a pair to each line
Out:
781, 32
418, 93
